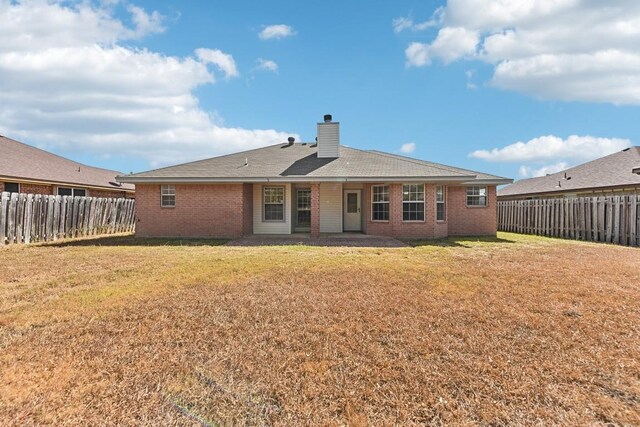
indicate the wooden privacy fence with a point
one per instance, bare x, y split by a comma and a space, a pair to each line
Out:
611, 219
30, 218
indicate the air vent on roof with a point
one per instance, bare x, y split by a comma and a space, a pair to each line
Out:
291, 140
115, 184
627, 149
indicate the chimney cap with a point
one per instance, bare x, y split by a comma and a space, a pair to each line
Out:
291, 140
327, 118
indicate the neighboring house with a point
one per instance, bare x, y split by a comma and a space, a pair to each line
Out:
616, 174
314, 188
26, 169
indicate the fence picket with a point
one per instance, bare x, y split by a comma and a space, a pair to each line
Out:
613, 219
633, 215
11, 232
4, 205
31, 218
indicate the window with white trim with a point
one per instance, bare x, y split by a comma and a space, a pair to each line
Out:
441, 213
75, 192
168, 196
476, 196
380, 203
12, 187
273, 201
413, 202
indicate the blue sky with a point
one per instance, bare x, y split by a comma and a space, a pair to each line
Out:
141, 84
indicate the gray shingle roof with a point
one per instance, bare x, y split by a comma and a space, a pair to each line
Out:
614, 170
22, 161
299, 162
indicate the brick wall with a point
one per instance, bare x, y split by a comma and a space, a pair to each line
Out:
471, 221
36, 189
106, 193
315, 210
211, 210
247, 211
396, 227
460, 219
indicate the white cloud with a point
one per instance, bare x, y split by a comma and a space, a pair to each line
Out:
470, 77
451, 44
531, 172
68, 82
407, 23
145, 23
267, 65
223, 61
550, 147
279, 31
408, 148
574, 50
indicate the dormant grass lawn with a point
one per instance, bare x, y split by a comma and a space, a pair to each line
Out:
517, 330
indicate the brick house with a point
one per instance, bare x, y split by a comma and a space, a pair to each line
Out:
27, 169
315, 188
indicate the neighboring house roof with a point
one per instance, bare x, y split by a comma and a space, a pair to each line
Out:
299, 162
615, 170
20, 161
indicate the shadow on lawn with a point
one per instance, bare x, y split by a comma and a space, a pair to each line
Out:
375, 242
458, 242
130, 240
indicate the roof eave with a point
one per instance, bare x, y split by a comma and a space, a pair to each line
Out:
491, 181
63, 183
212, 180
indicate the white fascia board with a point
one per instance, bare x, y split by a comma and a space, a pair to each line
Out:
489, 181
153, 180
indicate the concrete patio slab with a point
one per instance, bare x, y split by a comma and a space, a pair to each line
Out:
325, 239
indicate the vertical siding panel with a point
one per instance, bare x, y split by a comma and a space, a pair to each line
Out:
331, 207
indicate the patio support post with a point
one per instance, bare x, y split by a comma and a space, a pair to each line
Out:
315, 210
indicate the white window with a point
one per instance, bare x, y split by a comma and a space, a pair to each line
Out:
476, 196
273, 201
441, 213
167, 196
380, 203
413, 202
75, 192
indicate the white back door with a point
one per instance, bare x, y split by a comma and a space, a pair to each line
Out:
352, 210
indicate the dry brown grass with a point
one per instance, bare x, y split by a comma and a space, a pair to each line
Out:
524, 330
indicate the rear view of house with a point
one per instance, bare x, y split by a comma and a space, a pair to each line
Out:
27, 169
320, 187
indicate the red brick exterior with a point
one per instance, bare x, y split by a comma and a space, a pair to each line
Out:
215, 210
226, 211
247, 209
109, 194
45, 189
36, 189
474, 220
315, 210
460, 219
